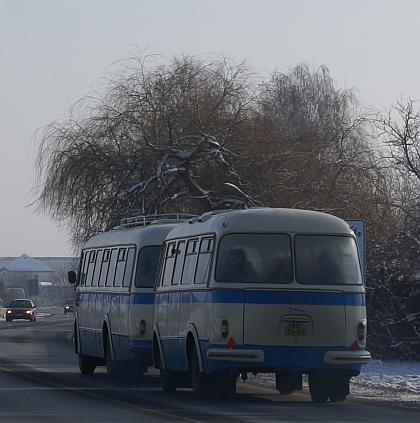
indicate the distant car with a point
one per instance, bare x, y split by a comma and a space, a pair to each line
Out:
21, 309
68, 306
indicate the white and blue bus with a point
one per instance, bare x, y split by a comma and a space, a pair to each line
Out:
114, 296
261, 291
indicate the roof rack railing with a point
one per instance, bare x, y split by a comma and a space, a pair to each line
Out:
135, 221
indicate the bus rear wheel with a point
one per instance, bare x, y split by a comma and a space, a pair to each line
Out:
167, 378
200, 381
338, 397
332, 385
87, 364
113, 367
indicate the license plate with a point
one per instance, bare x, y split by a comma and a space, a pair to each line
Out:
295, 329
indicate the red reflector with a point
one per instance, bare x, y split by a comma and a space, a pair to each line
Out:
355, 346
231, 343
224, 328
142, 327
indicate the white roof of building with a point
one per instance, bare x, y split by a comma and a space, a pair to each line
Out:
24, 263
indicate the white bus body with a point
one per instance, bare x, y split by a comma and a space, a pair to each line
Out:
114, 297
295, 305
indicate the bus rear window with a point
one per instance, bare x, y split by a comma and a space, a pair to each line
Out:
147, 266
255, 258
326, 260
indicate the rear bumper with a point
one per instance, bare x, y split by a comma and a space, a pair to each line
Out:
269, 359
347, 357
20, 317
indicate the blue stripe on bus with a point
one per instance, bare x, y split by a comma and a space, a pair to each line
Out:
315, 298
137, 298
355, 300
268, 297
240, 296
142, 299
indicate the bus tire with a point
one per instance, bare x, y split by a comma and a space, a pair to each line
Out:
288, 382
167, 378
339, 387
87, 364
338, 397
318, 388
112, 366
199, 380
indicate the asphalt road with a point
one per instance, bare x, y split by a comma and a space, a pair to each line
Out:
40, 382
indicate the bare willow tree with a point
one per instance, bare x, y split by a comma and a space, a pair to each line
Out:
317, 146
199, 134
161, 139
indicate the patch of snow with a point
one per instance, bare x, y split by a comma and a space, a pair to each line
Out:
389, 381
394, 382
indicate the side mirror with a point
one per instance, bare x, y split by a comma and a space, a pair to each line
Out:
71, 277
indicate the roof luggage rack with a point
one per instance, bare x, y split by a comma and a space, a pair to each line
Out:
135, 221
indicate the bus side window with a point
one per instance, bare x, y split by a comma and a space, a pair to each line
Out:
191, 255
104, 268
83, 268
128, 268
119, 272
179, 263
111, 269
79, 271
90, 268
97, 271
168, 266
203, 263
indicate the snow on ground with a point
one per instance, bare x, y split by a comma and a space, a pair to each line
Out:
389, 381
394, 382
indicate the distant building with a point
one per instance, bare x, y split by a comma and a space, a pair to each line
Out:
45, 269
24, 267
50, 272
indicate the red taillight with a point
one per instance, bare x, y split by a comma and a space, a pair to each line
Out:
361, 332
142, 327
224, 328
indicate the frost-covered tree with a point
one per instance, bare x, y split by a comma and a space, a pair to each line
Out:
393, 293
400, 131
159, 139
394, 255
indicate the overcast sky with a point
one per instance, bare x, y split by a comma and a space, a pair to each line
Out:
52, 51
